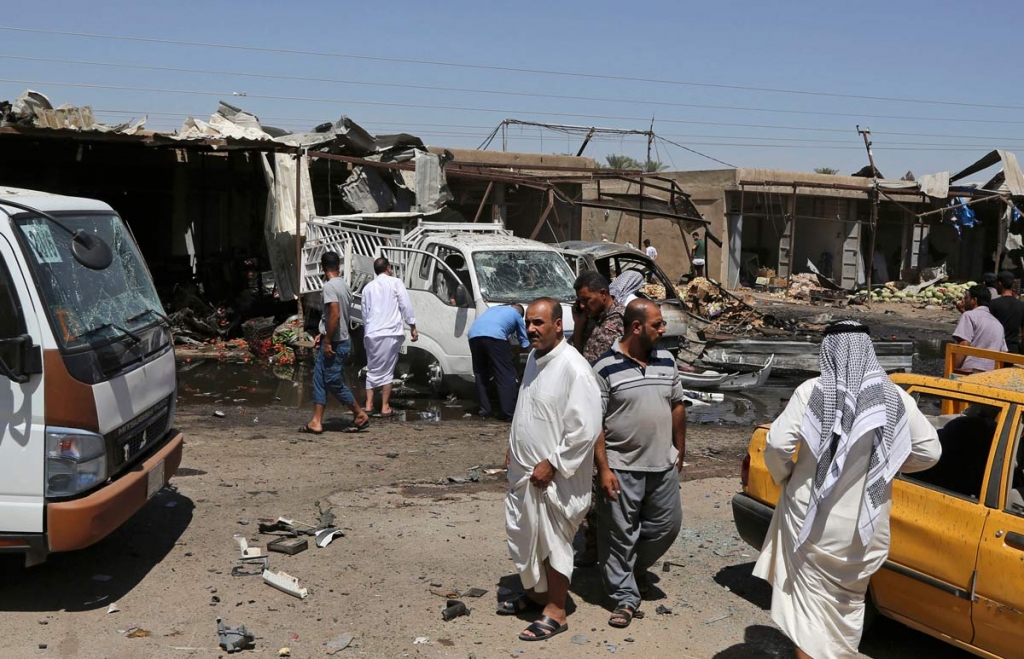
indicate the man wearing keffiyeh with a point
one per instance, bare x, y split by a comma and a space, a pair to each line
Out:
855, 431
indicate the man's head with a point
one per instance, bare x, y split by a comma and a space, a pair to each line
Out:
643, 324
519, 309
1004, 282
381, 266
592, 293
989, 279
977, 296
330, 263
696, 235
841, 340
544, 324
647, 242
455, 261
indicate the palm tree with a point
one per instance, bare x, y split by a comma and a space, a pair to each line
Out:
622, 162
826, 170
653, 166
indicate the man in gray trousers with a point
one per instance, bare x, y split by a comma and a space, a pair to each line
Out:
638, 457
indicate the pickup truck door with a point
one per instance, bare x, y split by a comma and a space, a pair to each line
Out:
22, 421
999, 589
443, 326
937, 521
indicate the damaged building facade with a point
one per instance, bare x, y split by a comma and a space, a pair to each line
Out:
783, 221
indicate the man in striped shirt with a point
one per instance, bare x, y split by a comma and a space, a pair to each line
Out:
638, 456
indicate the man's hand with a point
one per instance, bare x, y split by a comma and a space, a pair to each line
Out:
415, 334
679, 463
328, 350
316, 340
609, 484
543, 474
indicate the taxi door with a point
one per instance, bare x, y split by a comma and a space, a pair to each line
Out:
999, 592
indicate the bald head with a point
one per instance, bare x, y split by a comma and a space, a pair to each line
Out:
637, 312
642, 326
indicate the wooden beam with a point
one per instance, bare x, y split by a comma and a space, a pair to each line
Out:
544, 215
483, 202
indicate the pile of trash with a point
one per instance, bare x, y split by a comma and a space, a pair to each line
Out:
801, 286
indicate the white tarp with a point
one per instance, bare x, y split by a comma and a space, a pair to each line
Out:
280, 226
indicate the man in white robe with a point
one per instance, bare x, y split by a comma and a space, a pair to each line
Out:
385, 305
855, 431
550, 468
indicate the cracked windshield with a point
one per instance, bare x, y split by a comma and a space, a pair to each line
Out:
87, 305
518, 276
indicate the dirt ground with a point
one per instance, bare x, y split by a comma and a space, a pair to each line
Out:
409, 533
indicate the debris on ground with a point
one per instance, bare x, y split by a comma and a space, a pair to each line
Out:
136, 632
285, 582
290, 546
234, 639
454, 609
663, 610
339, 643
474, 592
580, 639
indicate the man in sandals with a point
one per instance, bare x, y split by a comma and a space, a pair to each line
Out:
550, 469
331, 348
638, 456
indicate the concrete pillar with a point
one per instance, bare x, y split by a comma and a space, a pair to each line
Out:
499, 210
735, 256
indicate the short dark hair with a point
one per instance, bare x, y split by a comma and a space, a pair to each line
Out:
1005, 279
695, 234
519, 308
981, 294
330, 262
591, 279
380, 265
553, 304
989, 277
647, 241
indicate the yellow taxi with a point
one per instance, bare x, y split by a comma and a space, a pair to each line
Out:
956, 565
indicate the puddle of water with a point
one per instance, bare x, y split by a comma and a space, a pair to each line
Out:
209, 382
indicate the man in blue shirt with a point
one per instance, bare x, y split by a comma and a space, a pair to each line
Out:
492, 356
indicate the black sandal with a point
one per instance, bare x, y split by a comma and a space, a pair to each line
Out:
518, 605
357, 427
543, 629
620, 614
306, 430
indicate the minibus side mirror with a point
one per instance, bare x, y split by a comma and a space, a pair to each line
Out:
20, 358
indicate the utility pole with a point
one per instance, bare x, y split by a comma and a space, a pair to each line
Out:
866, 134
643, 170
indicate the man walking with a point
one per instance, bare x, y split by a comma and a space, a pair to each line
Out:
698, 257
855, 431
385, 305
331, 349
550, 469
492, 356
597, 316
650, 250
638, 456
1009, 311
978, 328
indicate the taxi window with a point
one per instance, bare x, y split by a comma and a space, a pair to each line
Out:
1015, 496
967, 438
12, 322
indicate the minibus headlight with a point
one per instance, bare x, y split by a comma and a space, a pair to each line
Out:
76, 460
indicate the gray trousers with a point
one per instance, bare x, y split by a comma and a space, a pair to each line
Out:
637, 530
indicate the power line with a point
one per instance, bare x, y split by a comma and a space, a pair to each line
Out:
508, 69
472, 109
466, 90
296, 121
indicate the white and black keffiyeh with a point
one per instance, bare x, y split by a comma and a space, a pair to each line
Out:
852, 397
626, 284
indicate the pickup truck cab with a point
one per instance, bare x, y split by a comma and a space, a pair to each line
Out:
956, 564
87, 375
454, 271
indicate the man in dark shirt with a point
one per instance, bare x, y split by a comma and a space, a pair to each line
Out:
1008, 310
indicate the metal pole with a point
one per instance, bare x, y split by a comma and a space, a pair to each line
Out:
866, 134
640, 228
298, 234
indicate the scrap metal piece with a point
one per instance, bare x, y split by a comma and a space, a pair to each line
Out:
325, 536
235, 639
285, 582
289, 546
454, 609
248, 553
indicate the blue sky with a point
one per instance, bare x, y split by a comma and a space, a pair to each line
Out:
912, 50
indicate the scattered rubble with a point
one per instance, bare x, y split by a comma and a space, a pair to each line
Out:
235, 639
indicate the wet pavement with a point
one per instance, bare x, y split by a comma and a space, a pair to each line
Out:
210, 382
